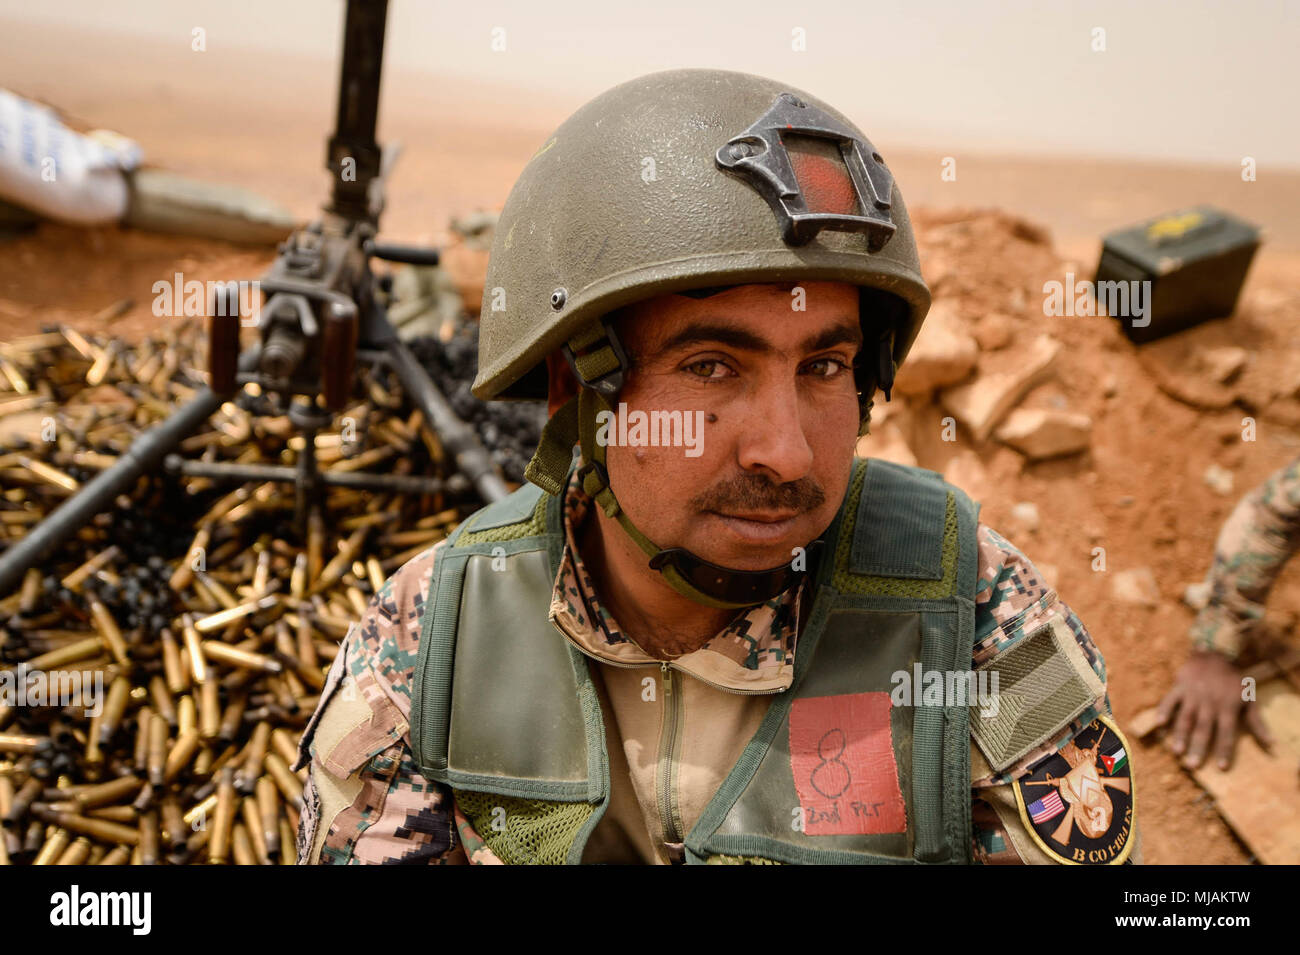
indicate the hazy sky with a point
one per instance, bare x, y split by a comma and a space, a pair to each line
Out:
1197, 80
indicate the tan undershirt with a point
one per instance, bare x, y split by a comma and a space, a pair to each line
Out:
722, 691
713, 728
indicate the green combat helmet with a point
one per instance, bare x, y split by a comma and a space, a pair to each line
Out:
683, 181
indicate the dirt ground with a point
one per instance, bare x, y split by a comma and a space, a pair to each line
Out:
1139, 491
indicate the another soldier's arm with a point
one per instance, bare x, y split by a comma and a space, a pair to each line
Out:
365, 801
1052, 703
1261, 533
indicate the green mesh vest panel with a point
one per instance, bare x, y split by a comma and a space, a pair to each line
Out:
504, 711
525, 831
534, 526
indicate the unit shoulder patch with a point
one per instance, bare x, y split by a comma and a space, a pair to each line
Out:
1079, 804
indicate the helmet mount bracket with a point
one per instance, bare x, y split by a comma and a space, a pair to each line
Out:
760, 157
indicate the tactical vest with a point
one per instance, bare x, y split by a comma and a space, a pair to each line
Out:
504, 710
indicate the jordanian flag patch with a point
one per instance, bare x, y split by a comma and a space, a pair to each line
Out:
1115, 761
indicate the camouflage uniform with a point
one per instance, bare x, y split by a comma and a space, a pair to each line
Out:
1262, 532
367, 803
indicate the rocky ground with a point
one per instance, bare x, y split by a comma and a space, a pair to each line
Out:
1075, 439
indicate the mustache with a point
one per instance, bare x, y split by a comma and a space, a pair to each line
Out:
750, 492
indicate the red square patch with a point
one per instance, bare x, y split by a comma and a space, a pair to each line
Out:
842, 757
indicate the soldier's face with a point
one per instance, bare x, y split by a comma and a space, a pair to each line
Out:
769, 418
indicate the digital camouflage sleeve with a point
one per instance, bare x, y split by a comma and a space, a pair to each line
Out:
1069, 797
1259, 536
367, 804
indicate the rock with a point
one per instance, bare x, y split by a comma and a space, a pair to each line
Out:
993, 331
1197, 595
1030, 231
982, 403
886, 442
966, 471
1284, 411
1179, 373
939, 271
1221, 364
1229, 433
943, 354
1136, 587
1126, 501
1286, 380
896, 410
1195, 391
1220, 479
1233, 456
1026, 515
1110, 385
1040, 433
1145, 723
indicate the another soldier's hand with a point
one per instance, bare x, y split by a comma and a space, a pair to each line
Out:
1207, 697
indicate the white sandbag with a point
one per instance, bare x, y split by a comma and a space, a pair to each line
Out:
58, 173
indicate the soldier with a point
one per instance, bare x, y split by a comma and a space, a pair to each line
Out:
713, 635
1259, 536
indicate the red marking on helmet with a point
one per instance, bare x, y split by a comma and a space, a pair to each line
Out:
825, 184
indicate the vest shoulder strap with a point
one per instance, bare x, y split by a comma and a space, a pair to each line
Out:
904, 532
485, 634
899, 526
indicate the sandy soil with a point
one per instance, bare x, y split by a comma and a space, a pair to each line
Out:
1139, 491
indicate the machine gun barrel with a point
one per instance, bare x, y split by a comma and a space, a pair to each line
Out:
144, 456
457, 437
358, 111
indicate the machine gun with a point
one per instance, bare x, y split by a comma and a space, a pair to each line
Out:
321, 317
